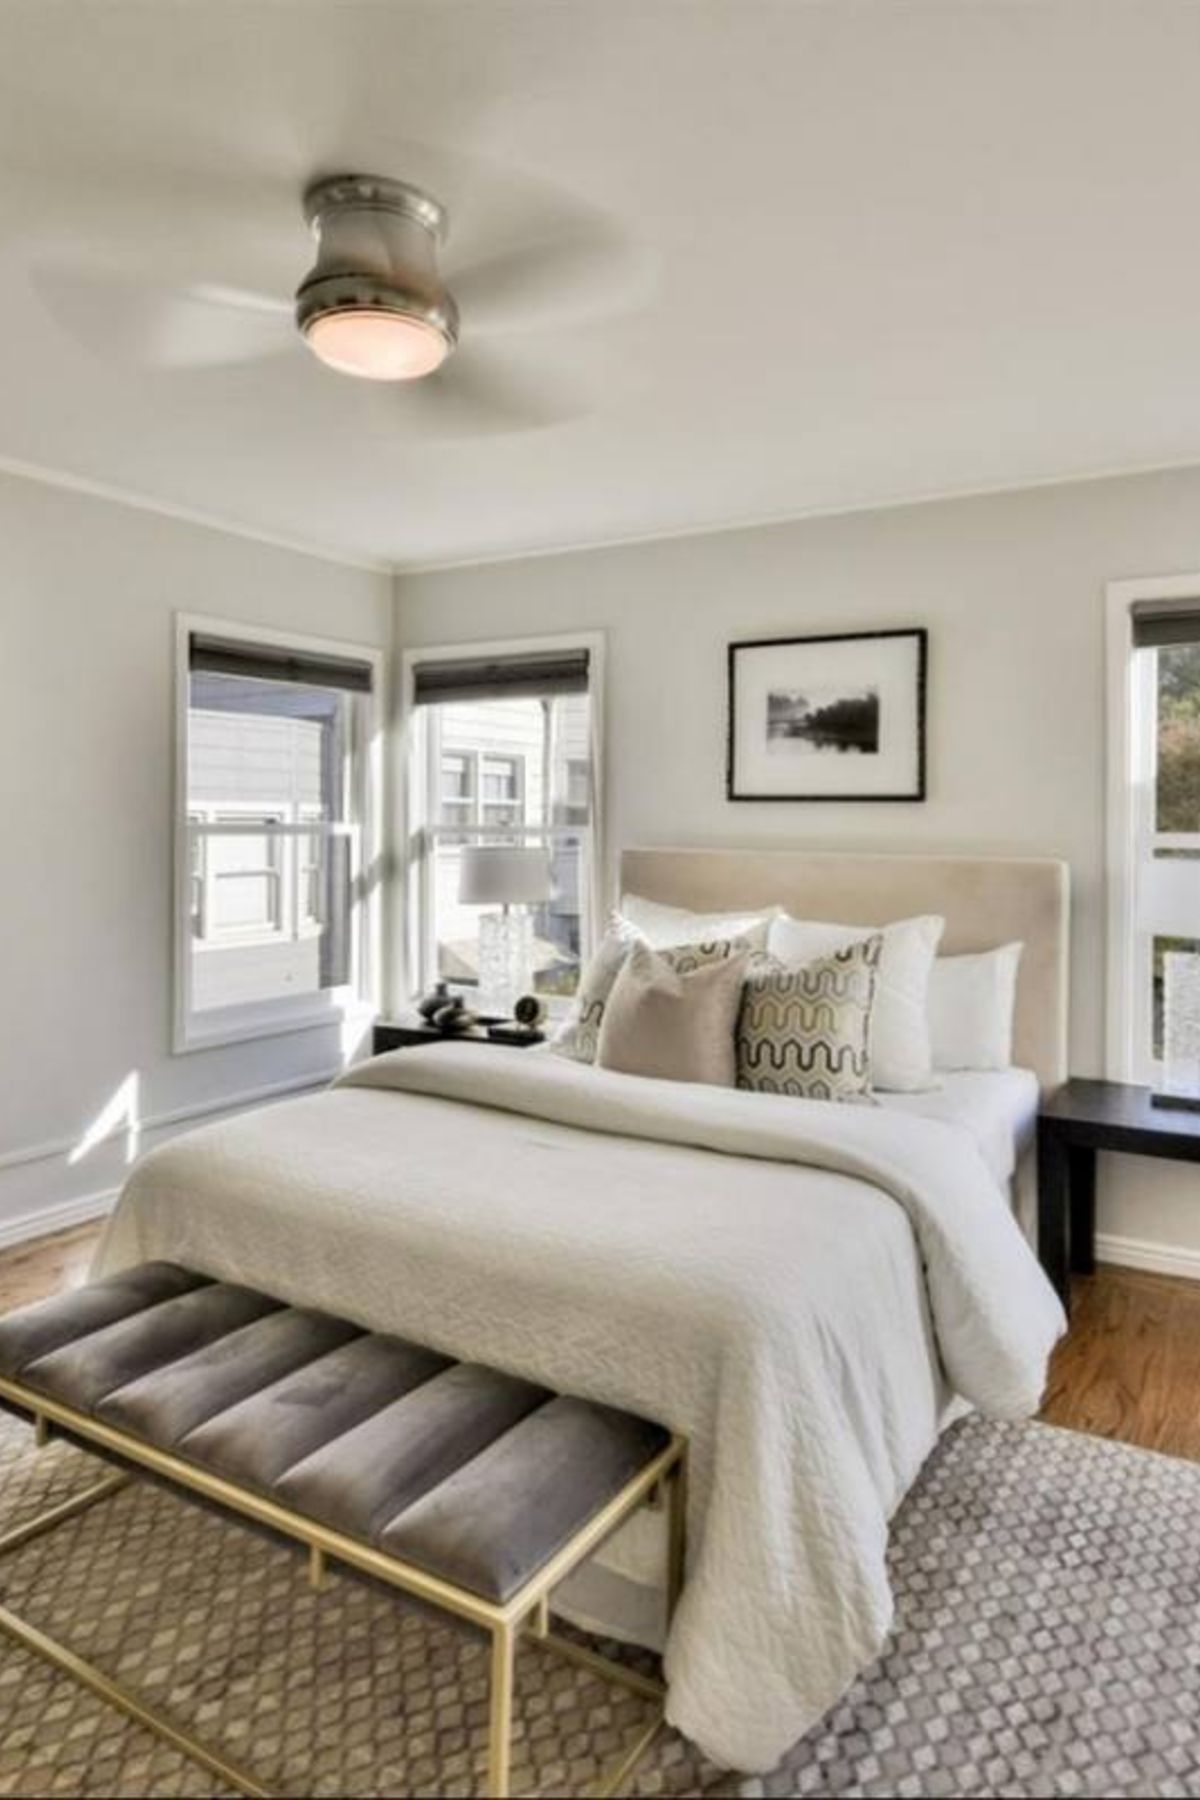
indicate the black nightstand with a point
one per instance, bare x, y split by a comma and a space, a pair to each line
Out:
1081, 1118
400, 1034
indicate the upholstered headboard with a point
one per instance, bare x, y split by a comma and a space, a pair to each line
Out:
985, 901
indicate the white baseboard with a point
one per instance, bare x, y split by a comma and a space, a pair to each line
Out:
43, 1167
1151, 1257
59, 1217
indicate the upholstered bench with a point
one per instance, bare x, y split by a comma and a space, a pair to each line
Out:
472, 1489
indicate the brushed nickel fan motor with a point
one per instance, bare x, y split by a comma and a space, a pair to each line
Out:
374, 304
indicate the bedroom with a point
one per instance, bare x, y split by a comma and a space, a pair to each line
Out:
856, 588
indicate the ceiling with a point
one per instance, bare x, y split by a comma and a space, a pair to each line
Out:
809, 255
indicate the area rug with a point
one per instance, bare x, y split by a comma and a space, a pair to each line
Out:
1047, 1642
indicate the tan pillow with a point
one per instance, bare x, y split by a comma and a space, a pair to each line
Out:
670, 1022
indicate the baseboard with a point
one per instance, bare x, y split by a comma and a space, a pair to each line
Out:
1147, 1255
59, 1217
47, 1166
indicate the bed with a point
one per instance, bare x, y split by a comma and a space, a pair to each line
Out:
807, 1291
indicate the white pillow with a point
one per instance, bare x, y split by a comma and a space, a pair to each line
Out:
901, 1054
663, 927
971, 1003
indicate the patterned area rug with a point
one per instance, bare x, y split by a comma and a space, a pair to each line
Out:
1047, 1643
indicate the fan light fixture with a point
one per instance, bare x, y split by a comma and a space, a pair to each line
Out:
374, 305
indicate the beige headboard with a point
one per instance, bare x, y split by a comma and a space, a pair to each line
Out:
985, 901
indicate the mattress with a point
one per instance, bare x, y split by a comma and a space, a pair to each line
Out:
997, 1108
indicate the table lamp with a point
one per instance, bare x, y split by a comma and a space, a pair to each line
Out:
507, 876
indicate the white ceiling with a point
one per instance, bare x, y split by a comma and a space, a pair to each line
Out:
852, 252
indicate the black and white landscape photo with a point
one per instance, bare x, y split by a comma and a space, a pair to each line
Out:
823, 722
840, 717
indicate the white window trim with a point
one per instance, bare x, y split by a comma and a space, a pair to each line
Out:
1127, 987
277, 1018
412, 783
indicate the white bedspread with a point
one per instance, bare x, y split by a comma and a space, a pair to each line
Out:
790, 1303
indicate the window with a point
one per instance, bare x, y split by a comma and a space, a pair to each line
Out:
277, 833
1154, 812
503, 752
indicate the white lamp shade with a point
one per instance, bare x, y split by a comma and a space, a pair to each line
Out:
503, 875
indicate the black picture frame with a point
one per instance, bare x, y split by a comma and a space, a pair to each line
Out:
918, 633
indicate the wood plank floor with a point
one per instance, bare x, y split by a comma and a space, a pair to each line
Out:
1128, 1369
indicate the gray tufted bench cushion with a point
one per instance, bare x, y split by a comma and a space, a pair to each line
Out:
469, 1474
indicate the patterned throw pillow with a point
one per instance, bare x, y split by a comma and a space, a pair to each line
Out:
806, 1031
580, 1036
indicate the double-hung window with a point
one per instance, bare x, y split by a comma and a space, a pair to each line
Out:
502, 750
1154, 811
277, 828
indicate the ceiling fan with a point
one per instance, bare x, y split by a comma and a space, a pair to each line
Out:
374, 305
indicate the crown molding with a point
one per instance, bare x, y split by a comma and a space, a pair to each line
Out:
764, 521
188, 515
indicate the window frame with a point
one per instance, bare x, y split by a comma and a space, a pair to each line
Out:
302, 1012
417, 785
1128, 993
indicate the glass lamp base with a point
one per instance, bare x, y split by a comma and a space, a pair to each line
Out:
505, 960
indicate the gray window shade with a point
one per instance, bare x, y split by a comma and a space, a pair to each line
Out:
1155, 626
263, 662
536, 675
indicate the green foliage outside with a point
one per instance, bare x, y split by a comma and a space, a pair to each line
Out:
1178, 794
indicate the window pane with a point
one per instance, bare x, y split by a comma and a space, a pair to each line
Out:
529, 768
275, 930
272, 908
1177, 788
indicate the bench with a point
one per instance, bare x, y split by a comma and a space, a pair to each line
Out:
471, 1489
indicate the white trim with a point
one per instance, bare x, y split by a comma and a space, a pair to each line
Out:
48, 1220
1149, 1256
1124, 1015
189, 515
412, 779
278, 1018
179, 1115
795, 516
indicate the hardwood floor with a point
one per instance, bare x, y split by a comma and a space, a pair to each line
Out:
1128, 1369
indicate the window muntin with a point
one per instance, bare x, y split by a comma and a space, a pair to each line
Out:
276, 792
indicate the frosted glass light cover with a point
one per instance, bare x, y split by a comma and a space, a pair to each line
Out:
381, 346
1181, 1024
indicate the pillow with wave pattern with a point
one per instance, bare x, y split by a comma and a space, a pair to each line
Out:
806, 1031
579, 1037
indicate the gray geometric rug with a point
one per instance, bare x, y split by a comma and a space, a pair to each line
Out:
1047, 1643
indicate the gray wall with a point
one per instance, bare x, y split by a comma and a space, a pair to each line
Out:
1012, 590
88, 590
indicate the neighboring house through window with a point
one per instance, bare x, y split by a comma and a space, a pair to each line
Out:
277, 832
502, 743
1154, 810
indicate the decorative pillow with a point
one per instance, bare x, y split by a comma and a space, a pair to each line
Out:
971, 1004
901, 1056
672, 1017
665, 926
580, 1035
807, 1031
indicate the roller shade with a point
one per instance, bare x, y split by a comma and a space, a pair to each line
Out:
532, 675
1155, 626
262, 662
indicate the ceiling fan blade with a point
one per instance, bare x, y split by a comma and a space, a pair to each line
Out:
480, 394
578, 274
125, 319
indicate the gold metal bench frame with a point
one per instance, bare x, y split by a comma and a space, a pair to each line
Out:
527, 1613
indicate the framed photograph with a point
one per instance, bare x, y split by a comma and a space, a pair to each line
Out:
828, 718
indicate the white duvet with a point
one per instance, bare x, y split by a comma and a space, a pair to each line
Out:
799, 1287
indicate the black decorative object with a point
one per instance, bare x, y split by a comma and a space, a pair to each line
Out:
433, 1003
838, 717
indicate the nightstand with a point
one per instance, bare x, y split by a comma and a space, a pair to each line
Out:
405, 1034
1081, 1118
